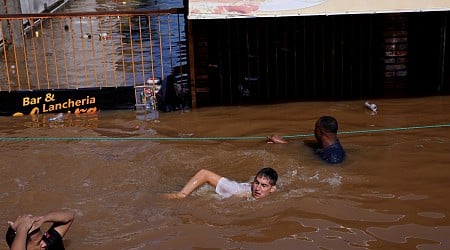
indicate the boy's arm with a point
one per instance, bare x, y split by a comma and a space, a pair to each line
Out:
21, 226
201, 177
276, 139
62, 220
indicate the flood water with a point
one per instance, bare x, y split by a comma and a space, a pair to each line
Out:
112, 169
95, 50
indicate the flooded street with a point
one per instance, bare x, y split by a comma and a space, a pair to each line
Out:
111, 169
107, 5
80, 47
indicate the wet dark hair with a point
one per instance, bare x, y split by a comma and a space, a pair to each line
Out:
328, 124
11, 234
53, 240
270, 174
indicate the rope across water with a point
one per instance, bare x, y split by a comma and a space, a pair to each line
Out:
242, 138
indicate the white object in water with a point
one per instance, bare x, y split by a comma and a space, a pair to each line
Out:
371, 106
58, 117
155, 84
103, 36
87, 36
152, 81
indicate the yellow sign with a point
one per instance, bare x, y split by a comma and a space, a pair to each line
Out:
48, 103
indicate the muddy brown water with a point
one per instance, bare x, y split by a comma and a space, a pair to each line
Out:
390, 193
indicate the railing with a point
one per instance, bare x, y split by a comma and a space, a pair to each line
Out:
82, 50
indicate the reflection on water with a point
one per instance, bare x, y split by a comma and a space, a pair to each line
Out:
62, 120
111, 170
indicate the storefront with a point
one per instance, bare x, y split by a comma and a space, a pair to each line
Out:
266, 50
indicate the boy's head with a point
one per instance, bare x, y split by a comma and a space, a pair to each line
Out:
264, 183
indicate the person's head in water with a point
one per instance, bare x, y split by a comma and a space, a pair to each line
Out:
264, 183
25, 232
325, 126
35, 240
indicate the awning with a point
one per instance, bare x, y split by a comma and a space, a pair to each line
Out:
223, 9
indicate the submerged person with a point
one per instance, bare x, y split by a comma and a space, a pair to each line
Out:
262, 185
25, 232
328, 146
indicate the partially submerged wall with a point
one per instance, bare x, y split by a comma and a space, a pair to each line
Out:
260, 60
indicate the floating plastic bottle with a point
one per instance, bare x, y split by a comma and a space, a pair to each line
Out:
58, 117
371, 106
